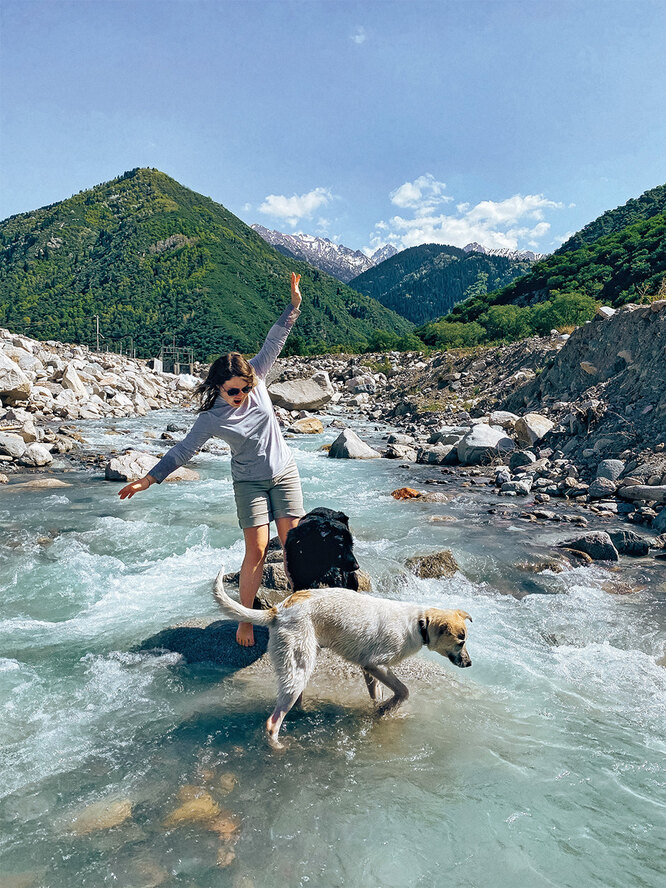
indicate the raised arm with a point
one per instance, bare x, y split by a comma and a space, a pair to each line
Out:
277, 335
175, 458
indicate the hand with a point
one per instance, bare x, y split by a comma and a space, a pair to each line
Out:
295, 290
135, 486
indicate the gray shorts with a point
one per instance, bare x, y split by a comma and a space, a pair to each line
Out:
260, 502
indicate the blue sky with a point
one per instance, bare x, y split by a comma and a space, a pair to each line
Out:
509, 123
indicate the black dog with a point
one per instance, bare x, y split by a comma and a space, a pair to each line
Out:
320, 551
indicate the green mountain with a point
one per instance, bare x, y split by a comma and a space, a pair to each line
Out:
422, 283
618, 258
159, 262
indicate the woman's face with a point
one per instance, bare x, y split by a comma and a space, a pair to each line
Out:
232, 391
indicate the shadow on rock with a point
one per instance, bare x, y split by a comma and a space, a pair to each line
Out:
215, 643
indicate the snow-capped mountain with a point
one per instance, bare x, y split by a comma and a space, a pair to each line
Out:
335, 259
509, 254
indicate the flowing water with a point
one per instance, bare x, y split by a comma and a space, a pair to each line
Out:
542, 765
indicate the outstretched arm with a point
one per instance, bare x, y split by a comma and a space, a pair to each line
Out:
277, 335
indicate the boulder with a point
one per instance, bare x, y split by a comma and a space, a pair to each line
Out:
659, 523
136, 464
531, 428
72, 381
12, 445
433, 566
400, 451
307, 426
596, 543
36, 455
602, 487
629, 543
481, 444
437, 454
302, 394
521, 488
348, 445
14, 384
637, 492
610, 468
503, 418
40, 484
521, 458
214, 643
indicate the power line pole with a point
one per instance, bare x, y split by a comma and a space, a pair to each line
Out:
97, 320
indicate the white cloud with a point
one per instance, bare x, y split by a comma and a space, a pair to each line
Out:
422, 195
298, 206
359, 36
512, 223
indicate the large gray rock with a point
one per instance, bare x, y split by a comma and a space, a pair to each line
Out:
647, 493
602, 487
531, 428
72, 381
659, 523
437, 454
348, 445
302, 394
610, 469
629, 543
14, 384
36, 455
597, 544
433, 566
12, 445
136, 464
482, 444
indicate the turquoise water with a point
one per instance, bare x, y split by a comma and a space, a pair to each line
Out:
542, 765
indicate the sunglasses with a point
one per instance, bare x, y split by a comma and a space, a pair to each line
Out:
232, 392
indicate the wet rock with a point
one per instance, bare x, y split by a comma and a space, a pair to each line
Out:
273, 577
433, 566
482, 444
629, 543
213, 642
348, 445
659, 523
3, 479
610, 468
198, 806
135, 464
597, 544
403, 493
100, 815
40, 484
502, 476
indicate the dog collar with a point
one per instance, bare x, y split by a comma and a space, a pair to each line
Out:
424, 632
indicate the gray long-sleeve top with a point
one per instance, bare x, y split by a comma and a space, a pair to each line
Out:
258, 450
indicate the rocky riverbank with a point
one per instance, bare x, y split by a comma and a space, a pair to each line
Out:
45, 385
578, 418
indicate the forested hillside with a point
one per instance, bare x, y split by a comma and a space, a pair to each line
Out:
626, 265
424, 282
157, 261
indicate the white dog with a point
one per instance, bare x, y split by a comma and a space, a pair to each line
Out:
373, 633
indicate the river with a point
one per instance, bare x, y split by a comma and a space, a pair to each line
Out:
542, 765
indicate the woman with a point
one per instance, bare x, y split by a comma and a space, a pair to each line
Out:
236, 407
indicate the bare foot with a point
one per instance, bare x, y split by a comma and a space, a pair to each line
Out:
245, 634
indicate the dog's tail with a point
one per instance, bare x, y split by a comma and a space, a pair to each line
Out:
236, 611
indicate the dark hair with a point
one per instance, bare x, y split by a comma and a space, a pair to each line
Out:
222, 369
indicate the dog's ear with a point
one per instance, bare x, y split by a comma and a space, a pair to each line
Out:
464, 615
